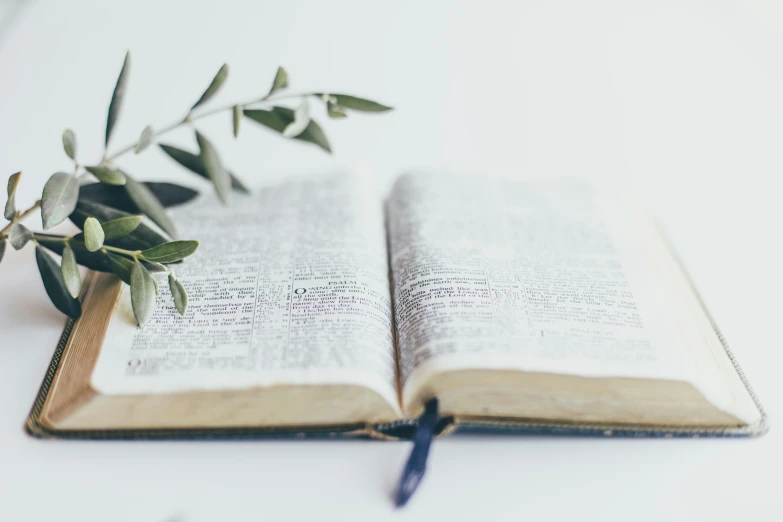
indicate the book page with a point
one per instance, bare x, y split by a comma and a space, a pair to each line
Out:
535, 276
289, 286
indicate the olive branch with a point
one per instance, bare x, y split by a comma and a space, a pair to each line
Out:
113, 212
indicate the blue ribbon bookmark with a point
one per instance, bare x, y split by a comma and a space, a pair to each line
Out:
417, 462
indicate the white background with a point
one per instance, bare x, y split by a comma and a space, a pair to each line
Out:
681, 101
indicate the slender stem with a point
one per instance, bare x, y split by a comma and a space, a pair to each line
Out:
134, 254
130, 253
159, 133
19, 217
193, 117
265, 99
69, 239
49, 237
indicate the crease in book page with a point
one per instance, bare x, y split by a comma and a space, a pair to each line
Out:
544, 276
289, 286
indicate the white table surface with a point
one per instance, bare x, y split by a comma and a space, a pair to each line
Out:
681, 101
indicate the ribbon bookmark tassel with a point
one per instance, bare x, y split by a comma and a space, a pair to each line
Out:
417, 462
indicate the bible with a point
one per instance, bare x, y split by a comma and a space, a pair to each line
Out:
321, 308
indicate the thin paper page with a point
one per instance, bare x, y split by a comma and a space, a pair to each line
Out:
288, 286
535, 276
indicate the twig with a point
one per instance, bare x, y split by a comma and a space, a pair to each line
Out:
191, 118
19, 217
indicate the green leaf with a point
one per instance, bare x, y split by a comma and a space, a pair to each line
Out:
217, 82
69, 143
236, 114
10, 206
280, 81
145, 140
2, 248
52, 278
142, 293
169, 195
120, 266
60, 195
170, 252
140, 239
149, 205
122, 227
334, 110
280, 117
179, 294
211, 161
275, 120
93, 234
108, 175
70, 271
301, 120
117, 97
193, 163
19, 236
357, 104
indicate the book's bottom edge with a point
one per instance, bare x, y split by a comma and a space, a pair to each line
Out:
403, 430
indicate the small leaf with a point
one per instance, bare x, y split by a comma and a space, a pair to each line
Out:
237, 115
93, 234
301, 120
149, 205
357, 104
194, 164
10, 206
211, 161
120, 266
334, 110
52, 278
108, 175
145, 140
2, 248
179, 294
69, 143
117, 97
70, 270
119, 228
19, 236
142, 293
280, 117
169, 195
187, 159
280, 81
217, 82
275, 120
60, 195
170, 252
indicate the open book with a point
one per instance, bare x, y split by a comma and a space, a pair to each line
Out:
317, 306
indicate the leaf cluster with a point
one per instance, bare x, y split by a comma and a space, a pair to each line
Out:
124, 226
